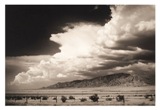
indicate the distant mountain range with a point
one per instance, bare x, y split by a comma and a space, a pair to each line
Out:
118, 79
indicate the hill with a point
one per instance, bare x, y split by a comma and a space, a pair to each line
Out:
118, 79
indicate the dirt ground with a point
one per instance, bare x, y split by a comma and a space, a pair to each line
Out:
135, 96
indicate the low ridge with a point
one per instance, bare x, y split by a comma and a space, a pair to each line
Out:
118, 79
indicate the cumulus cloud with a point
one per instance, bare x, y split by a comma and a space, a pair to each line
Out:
145, 25
16, 65
92, 50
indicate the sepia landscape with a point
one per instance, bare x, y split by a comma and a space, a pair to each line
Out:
117, 89
80, 55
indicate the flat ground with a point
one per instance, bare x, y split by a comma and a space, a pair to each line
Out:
132, 95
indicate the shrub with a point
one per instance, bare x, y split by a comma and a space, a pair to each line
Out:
120, 98
83, 99
44, 98
94, 98
108, 99
63, 98
71, 97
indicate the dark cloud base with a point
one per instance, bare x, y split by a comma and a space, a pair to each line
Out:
28, 27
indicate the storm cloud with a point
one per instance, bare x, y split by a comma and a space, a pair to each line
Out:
124, 44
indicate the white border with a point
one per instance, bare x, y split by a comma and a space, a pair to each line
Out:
69, 2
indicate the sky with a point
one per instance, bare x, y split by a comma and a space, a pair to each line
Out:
56, 43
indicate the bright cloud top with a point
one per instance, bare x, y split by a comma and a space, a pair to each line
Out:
92, 50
